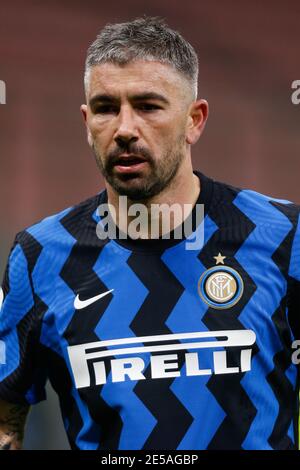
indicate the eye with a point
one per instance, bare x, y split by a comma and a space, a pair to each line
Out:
105, 109
148, 107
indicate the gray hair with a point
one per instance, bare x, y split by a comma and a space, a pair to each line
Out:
145, 38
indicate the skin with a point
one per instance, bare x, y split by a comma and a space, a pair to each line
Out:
12, 424
161, 129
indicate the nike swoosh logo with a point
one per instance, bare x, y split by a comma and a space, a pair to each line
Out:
78, 304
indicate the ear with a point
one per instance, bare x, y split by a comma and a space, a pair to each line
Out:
197, 118
83, 109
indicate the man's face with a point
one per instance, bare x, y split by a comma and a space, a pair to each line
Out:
136, 117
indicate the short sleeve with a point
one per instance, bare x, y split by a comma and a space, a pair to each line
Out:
22, 378
294, 283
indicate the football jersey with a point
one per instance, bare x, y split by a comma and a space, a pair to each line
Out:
150, 345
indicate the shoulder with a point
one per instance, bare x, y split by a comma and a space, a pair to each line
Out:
58, 227
265, 209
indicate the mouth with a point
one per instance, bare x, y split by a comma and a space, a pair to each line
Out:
127, 163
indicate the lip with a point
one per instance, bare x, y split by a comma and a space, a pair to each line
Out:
127, 156
127, 167
131, 168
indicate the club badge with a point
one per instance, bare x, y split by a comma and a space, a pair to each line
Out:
220, 286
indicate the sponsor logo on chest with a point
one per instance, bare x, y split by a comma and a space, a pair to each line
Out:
125, 358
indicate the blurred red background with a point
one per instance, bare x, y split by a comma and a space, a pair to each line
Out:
249, 56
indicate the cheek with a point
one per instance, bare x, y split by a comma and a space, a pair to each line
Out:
97, 127
101, 132
174, 125
172, 134
98, 123
162, 131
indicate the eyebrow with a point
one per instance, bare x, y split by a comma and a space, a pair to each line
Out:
106, 98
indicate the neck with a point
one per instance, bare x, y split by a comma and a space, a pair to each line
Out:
160, 214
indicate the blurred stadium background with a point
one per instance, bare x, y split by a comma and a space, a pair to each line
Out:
249, 56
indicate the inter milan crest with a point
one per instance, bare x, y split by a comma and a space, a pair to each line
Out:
220, 287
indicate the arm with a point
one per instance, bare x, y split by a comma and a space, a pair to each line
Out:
12, 423
22, 371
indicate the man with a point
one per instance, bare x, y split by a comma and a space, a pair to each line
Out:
150, 344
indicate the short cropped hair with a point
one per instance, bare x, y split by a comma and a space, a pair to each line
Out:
145, 38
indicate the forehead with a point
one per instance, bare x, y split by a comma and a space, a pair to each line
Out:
134, 77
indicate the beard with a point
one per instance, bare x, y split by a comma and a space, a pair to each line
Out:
143, 185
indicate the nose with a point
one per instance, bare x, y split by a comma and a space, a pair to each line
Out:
126, 131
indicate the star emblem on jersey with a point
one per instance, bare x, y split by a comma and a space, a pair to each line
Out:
219, 259
79, 304
220, 287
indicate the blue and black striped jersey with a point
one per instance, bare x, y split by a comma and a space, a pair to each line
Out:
150, 345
